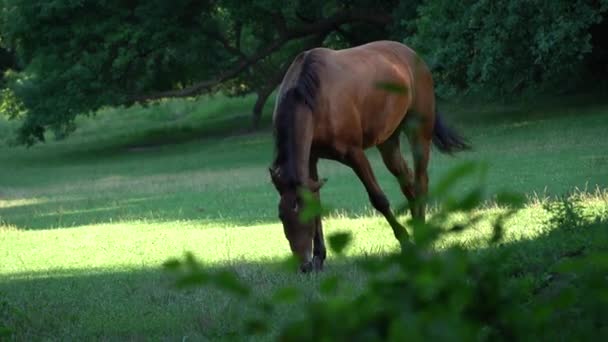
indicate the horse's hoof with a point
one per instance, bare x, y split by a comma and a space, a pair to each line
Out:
307, 267
317, 263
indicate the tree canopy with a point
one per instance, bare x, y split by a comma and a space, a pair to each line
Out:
509, 46
63, 58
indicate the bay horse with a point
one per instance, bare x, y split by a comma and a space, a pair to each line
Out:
334, 104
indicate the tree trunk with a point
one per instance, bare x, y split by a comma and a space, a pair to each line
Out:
258, 108
274, 81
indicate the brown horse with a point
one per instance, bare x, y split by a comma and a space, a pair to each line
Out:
334, 104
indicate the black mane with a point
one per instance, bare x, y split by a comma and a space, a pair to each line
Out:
303, 92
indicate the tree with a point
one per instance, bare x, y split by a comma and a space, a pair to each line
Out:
72, 57
506, 47
78, 56
9, 104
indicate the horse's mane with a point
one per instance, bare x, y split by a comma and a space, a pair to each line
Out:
301, 92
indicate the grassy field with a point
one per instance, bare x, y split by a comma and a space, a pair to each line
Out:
86, 223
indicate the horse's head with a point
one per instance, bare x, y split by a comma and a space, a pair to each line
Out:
299, 234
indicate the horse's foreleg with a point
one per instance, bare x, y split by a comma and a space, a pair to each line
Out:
319, 251
357, 160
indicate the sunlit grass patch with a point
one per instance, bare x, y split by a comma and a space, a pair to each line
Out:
148, 243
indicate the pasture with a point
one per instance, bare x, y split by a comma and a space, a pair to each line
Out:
86, 223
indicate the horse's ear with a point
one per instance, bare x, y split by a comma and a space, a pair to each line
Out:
317, 185
276, 178
273, 174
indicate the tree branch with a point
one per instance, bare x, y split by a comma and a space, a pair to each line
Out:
341, 18
226, 44
238, 29
348, 36
275, 79
203, 86
318, 28
304, 18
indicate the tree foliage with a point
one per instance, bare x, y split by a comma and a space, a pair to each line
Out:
79, 55
505, 47
72, 57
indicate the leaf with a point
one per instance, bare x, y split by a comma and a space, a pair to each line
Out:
286, 295
402, 208
425, 234
172, 264
312, 207
510, 199
228, 281
457, 228
339, 241
266, 307
599, 260
497, 231
453, 176
595, 261
329, 285
374, 265
193, 279
289, 264
5, 332
565, 297
392, 87
467, 203
191, 260
256, 326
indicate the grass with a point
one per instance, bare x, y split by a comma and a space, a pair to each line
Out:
85, 223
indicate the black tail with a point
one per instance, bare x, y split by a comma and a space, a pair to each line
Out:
446, 139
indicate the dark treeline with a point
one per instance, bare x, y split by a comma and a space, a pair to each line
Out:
63, 58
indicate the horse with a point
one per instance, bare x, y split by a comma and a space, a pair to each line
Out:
334, 104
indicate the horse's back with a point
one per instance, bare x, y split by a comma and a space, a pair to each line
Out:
353, 106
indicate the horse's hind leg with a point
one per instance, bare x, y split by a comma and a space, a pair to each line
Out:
420, 141
319, 251
357, 160
393, 159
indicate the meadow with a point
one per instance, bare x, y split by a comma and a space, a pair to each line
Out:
87, 222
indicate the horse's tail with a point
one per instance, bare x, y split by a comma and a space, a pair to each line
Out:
446, 139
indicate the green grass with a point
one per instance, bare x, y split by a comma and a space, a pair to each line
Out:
85, 223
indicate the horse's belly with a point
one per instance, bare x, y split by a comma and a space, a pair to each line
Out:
380, 121
382, 127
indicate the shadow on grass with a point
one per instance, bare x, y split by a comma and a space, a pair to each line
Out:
473, 111
154, 139
138, 304
223, 209
142, 303
158, 140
